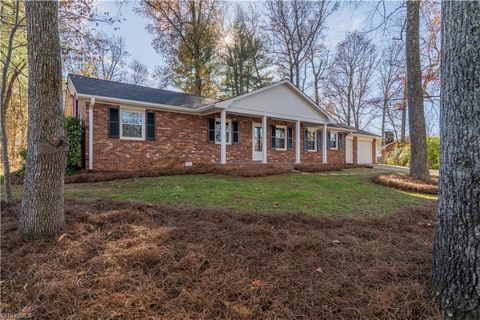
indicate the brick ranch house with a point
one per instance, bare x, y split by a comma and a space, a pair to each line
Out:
131, 127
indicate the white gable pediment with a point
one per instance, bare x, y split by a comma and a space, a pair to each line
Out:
280, 101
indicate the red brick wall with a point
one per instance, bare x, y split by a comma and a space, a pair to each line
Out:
182, 138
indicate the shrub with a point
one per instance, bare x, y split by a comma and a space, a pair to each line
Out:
23, 157
433, 146
401, 155
74, 129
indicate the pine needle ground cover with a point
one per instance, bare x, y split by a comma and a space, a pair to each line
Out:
130, 260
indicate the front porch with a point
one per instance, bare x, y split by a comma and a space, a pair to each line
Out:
276, 139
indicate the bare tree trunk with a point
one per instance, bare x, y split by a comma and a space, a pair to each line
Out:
416, 116
5, 94
42, 205
384, 115
403, 129
456, 268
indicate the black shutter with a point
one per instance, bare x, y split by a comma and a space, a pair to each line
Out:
150, 125
235, 130
211, 130
273, 137
113, 123
290, 138
340, 141
328, 139
319, 140
305, 139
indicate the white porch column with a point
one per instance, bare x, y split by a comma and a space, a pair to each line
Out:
264, 139
297, 142
324, 145
223, 137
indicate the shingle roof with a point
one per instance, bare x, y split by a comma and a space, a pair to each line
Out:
119, 90
358, 131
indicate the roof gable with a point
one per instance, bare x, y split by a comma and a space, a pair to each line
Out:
282, 99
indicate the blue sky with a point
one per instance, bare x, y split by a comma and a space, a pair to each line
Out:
139, 40
347, 18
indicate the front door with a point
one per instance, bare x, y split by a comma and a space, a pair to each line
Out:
257, 142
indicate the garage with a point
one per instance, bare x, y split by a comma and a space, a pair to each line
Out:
349, 150
364, 151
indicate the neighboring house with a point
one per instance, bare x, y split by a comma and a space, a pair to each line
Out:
131, 127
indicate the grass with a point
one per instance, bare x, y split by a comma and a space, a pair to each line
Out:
347, 193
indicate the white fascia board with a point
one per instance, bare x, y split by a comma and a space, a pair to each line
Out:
338, 129
228, 103
71, 88
365, 136
280, 116
309, 100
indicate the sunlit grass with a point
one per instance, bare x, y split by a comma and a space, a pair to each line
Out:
350, 193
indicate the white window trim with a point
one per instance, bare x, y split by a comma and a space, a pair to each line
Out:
228, 137
336, 140
143, 124
285, 128
315, 139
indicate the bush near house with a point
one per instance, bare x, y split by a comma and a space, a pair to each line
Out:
401, 155
74, 129
246, 170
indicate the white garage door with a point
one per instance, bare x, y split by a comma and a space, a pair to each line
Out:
364, 151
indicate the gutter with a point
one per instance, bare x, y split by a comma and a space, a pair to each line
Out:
149, 104
90, 133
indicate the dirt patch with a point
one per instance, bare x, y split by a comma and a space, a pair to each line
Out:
407, 183
120, 260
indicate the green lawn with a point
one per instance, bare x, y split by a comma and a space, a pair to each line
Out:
328, 194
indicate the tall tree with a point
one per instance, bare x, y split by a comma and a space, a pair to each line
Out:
11, 69
244, 55
416, 114
403, 135
391, 81
77, 37
106, 59
138, 73
456, 268
296, 28
42, 204
187, 32
351, 79
318, 65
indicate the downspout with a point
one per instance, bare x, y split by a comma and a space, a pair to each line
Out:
90, 134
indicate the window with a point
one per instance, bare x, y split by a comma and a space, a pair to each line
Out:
218, 131
311, 140
332, 142
132, 124
280, 138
